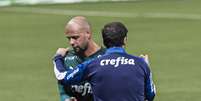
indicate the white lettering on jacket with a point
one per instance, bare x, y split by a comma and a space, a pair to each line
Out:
83, 89
118, 61
71, 75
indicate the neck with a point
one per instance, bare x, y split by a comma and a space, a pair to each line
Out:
92, 48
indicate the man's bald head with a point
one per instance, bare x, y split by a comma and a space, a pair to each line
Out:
79, 33
78, 23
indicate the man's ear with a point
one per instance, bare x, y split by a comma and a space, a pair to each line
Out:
88, 35
125, 40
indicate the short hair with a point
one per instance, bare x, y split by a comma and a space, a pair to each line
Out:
113, 34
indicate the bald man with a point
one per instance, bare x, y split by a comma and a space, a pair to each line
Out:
79, 34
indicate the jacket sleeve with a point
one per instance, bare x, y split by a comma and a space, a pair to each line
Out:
150, 90
68, 76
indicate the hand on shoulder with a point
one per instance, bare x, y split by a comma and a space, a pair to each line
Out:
145, 57
62, 51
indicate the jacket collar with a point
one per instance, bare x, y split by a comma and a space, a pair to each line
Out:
115, 50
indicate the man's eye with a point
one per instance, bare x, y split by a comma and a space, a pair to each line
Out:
68, 38
75, 37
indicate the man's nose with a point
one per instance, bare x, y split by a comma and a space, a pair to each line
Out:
72, 42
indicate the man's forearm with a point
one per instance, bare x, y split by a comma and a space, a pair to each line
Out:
68, 76
59, 68
150, 89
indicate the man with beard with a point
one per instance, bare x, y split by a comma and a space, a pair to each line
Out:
79, 34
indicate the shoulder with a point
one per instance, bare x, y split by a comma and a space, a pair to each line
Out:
100, 52
71, 59
97, 54
136, 58
70, 52
103, 50
141, 63
71, 55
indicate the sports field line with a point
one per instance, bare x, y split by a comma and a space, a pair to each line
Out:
103, 13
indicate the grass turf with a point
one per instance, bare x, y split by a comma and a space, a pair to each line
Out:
29, 40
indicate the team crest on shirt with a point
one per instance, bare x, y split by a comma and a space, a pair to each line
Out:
70, 57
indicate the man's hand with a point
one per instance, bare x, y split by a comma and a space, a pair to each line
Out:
62, 51
146, 58
71, 99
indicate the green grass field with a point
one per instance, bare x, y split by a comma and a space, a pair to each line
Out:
168, 30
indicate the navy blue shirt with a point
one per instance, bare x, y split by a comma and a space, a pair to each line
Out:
116, 76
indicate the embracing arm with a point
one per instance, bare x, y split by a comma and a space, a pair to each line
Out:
68, 76
150, 90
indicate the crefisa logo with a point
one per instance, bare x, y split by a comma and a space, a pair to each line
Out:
118, 61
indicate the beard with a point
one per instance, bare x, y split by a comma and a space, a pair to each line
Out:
79, 50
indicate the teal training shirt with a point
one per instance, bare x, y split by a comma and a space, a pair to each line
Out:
81, 91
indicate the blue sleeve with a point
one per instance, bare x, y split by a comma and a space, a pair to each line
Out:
69, 76
150, 90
